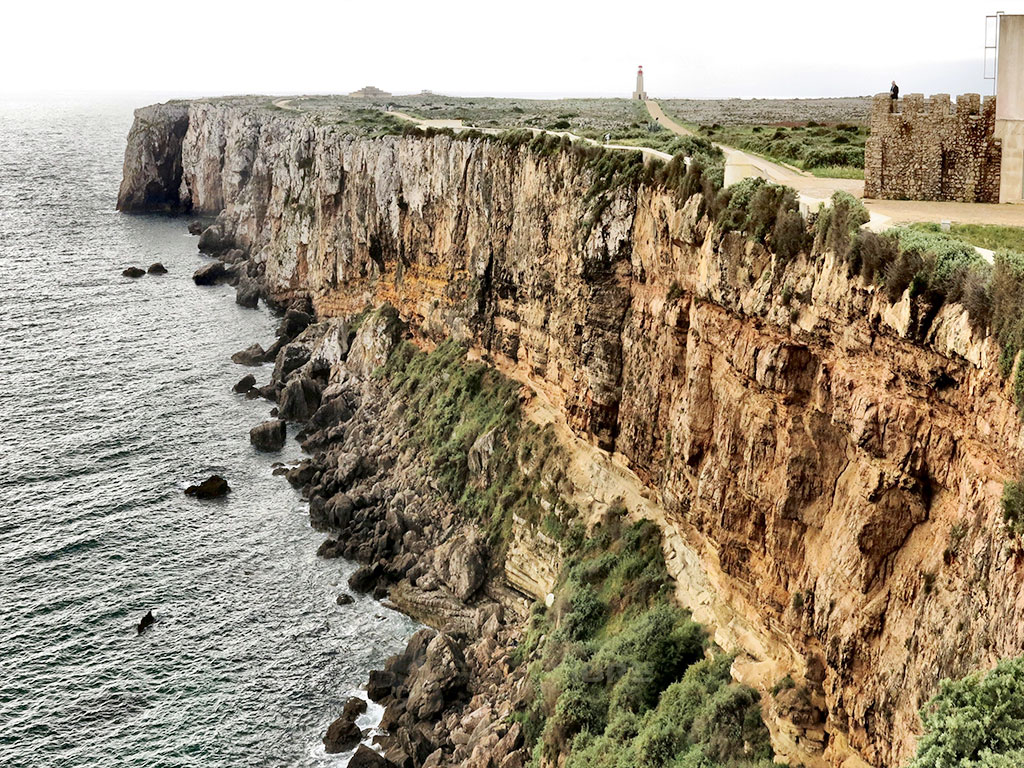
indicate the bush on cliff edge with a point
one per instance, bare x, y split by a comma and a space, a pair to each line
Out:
976, 722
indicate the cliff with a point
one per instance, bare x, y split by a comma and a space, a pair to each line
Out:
827, 477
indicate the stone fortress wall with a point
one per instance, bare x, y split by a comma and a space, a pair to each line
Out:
932, 149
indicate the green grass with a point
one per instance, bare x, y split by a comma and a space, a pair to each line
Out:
988, 236
825, 150
450, 402
838, 172
621, 677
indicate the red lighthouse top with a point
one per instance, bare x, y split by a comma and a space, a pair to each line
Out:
640, 69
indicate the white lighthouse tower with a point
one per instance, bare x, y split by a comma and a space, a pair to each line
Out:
640, 94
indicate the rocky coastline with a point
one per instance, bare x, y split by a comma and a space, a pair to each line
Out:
824, 463
449, 696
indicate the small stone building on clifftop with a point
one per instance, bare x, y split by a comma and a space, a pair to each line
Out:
973, 152
930, 149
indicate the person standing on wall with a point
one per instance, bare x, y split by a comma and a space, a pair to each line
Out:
894, 92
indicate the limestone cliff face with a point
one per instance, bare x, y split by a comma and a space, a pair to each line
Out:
828, 478
152, 161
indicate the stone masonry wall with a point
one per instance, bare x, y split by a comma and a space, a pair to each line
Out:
930, 149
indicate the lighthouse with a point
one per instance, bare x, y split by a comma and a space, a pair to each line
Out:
640, 94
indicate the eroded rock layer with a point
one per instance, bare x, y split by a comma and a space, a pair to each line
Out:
825, 466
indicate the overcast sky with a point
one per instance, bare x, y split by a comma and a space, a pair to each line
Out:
741, 48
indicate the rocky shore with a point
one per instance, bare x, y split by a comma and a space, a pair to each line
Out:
449, 696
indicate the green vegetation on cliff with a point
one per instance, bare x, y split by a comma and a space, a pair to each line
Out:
451, 403
621, 677
976, 722
937, 268
989, 236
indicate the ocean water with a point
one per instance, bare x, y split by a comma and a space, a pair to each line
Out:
114, 395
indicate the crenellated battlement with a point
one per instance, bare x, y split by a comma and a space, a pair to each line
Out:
933, 148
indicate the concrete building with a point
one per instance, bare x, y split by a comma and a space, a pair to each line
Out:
640, 93
370, 92
1009, 129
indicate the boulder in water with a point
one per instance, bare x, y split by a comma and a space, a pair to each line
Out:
214, 241
213, 273
345, 599
245, 384
133, 272
156, 268
342, 734
268, 436
367, 758
380, 684
196, 227
211, 488
145, 623
247, 294
250, 356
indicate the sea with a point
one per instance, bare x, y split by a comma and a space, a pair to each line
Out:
115, 394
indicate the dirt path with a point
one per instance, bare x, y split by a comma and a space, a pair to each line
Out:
884, 213
286, 104
458, 125
801, 181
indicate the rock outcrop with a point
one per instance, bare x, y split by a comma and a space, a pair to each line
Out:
268, 436
212, 487
153, 160
826, 473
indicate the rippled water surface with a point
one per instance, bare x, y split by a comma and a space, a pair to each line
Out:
114, 395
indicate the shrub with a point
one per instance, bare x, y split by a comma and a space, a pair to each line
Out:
768, 213
974, 293
767, 202
1013, 506
586, 612
784, 684
976, 722
630, 693
790, 234
837, 223
946, 261
1007, 297
734, 203
871, 254
819, 156
730, 722
900, 272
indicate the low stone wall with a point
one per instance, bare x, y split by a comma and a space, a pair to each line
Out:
931, 149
